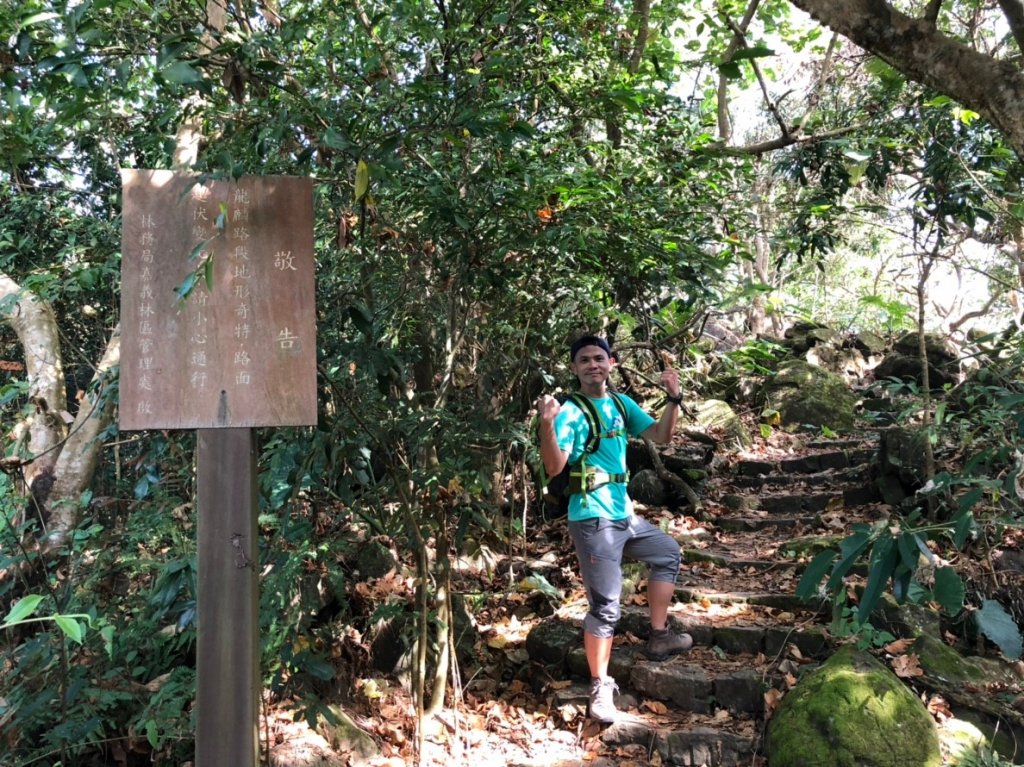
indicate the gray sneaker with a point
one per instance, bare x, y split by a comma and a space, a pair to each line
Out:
602, 703
664, 643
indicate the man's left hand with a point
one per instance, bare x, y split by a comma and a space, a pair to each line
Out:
670, 380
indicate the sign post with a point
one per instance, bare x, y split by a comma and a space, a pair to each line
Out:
218, 335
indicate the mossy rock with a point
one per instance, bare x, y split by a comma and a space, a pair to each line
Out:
852, 712
807, 395
346, 736
943, 663
716, 414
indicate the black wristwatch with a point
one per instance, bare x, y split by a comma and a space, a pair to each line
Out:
677, 400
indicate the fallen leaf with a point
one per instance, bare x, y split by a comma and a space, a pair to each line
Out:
654, 706
906, 666
722, 715
569, 712
705, 602
771, 702
559, 684
790, 681
939, 708
899, 647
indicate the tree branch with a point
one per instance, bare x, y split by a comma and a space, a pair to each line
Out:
642, 15
724, 121
1013, 10
921, 53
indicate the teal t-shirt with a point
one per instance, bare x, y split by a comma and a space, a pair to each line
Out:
571, 429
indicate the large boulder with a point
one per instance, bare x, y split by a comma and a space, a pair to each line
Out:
908, 368
804, 335
718, 416
904, 361
852, 712
807, 395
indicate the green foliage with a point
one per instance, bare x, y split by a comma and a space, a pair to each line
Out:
994, 622
981, 756
846, 624
983, 420
893, 559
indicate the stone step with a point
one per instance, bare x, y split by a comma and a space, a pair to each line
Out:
678, 737
684, 686
753, 524
688, 746
725, 559
793, 503
786, 602
727, 648
806, 464
854, 475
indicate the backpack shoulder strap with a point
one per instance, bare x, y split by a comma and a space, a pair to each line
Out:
593, 421
617, 399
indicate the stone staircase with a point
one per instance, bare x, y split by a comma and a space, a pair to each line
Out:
763, 517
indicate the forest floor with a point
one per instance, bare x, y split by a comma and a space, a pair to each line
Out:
510, 710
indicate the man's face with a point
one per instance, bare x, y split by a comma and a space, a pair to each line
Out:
592, 365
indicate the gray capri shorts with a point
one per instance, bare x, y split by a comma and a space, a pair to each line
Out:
601, 545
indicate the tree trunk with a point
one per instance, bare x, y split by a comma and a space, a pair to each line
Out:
60, 463
80, 455
43, 430
993, 88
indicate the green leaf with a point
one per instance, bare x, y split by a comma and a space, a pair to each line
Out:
966, 501
362, 180
815, 571
949, 590
757, 52
901, 579
336, 140
730, 69
208, 273
964, 526
850, 548
909, 556
23, 608
72, 629
362, 319
181, 73
883, 559
187, 285
918, 594
151, 733
37, 18
107, 634
995, 623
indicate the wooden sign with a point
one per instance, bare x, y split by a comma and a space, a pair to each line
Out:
217, 302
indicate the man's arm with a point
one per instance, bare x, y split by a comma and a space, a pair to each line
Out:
553, 457
665, 427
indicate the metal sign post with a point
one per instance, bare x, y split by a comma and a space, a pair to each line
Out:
218, 335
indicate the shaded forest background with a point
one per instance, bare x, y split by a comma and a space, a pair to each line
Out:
490, 179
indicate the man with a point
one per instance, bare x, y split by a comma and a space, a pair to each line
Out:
602, 524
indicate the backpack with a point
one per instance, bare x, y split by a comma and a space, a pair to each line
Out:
556, 490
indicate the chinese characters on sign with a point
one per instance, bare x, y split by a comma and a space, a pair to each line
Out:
217, 302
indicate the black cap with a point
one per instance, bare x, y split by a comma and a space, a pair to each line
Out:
579, 343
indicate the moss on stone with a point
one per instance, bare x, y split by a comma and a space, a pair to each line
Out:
717, 414
942, 662
807, 395
852, 712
